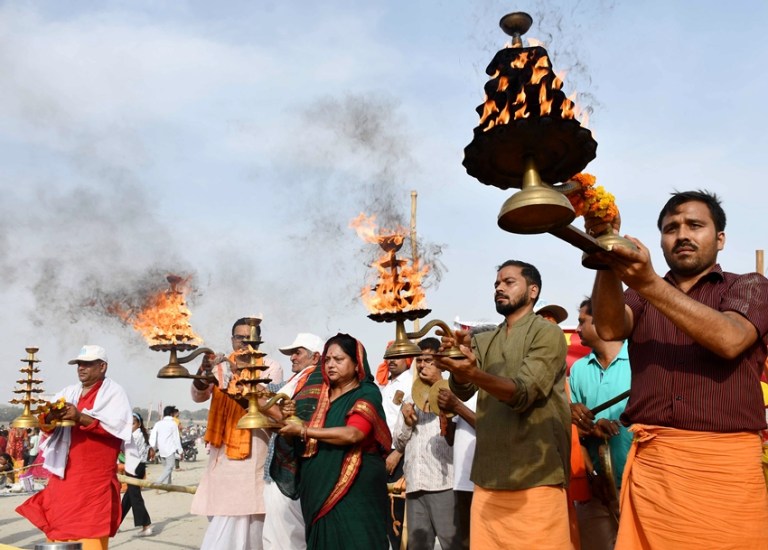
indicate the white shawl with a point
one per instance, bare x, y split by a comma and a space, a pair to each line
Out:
111, 408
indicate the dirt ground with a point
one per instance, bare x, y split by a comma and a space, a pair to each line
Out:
175, 528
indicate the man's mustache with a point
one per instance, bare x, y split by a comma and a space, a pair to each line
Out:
684, 244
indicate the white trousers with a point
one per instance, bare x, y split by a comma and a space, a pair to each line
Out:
169, 462
284, 524
234, 533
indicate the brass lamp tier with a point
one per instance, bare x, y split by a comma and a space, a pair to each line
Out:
406, 315
251, 365
30, 386
559, 147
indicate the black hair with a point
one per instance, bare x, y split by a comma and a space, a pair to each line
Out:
347, 344
710, 199
430, 344
138, 417
244, 321
528, 271
169, 410
587, 303
9, 461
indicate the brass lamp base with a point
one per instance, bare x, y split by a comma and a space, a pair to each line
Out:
25, 421
402, 349
255, 420
535, 210
451, 353
607, 242
173, 371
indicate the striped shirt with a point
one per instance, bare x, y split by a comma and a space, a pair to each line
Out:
680, 384
428, 464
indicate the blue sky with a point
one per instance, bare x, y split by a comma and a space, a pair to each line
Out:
235, 141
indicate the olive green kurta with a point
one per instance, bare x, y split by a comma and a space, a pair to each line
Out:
526, 442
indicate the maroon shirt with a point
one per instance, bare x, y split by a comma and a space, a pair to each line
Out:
680, 384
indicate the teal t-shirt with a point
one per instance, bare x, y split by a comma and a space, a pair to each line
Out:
592, 385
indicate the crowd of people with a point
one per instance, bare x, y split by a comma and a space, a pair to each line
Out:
650, 441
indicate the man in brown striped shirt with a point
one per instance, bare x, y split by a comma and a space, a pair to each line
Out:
697, 342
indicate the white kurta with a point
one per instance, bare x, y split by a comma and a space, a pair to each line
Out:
234, 487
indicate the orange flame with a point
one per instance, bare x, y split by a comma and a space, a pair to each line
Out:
164, 318
366, 229
532, 42
520, 61
398, 283
489, 108
567, 109
520, 100
503, 117
540, 70
546, 104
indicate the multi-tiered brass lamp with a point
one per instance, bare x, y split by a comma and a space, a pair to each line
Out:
528, 137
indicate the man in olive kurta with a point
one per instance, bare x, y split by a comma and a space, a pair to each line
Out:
521, 463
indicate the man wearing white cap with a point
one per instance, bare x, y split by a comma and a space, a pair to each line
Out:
284, 524
82, 499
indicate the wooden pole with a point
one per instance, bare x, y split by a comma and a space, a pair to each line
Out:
191, 489
759, 262
414, 249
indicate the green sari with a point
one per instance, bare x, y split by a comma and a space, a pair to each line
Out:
343, 489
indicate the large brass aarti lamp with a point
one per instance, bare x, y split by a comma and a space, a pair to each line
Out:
403, 346
528, 138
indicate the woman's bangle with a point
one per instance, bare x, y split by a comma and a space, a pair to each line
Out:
304, 433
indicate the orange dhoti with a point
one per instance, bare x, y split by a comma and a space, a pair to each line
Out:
519, 520
693, 490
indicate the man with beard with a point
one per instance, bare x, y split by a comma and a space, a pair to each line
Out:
697, 346
521, 463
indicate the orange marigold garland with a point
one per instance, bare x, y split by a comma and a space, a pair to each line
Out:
588, 199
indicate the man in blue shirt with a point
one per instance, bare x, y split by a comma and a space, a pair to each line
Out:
596, 378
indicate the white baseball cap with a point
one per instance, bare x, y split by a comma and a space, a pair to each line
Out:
90, 353
304, 340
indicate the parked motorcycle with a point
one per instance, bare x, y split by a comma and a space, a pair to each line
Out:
189, 447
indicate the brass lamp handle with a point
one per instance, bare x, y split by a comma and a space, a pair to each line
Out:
293, 419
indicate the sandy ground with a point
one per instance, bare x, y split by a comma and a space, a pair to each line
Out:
175, 528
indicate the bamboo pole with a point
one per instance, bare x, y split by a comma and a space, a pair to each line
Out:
191, 489
759, 262
414, 249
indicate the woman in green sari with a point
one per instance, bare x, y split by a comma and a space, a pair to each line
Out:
342, 480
